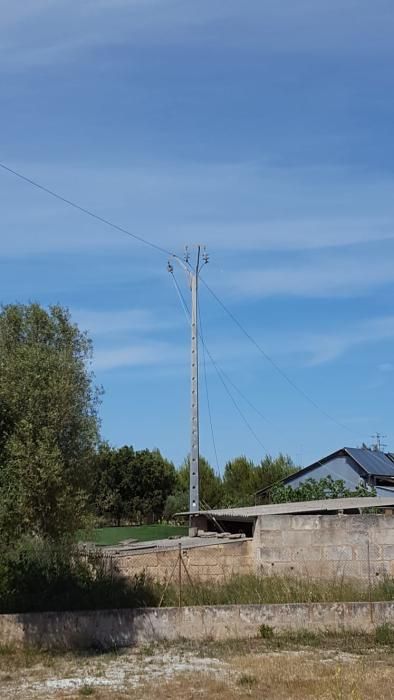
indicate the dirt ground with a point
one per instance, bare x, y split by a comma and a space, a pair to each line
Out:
349, 670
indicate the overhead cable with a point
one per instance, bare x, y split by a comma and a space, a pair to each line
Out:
207, 392
221, 376
86, 211
273, 363
187, 314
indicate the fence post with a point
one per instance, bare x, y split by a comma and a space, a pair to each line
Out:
179, 574
369, 582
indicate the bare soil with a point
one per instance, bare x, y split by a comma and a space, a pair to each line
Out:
259, 669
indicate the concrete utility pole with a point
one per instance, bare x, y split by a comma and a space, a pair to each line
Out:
193, 272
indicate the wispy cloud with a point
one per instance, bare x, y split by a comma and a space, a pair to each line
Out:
335, 277
39, 32
101, 323
145, 354
314, 349
230, 206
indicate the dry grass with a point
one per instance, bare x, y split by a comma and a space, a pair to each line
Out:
253, 589
301, 667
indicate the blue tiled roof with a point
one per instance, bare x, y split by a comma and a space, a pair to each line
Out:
373, 462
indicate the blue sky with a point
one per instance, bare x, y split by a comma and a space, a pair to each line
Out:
261, 129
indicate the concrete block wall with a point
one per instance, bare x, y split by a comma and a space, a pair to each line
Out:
326, 546
214, 562
122, 628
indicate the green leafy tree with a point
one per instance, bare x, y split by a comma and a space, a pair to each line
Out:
243, 478
153, 478
177, 502
271, 470
112, 491
316, 490
48, 421
130, 485
239, 481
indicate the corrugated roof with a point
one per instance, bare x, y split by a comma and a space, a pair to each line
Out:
325, 506
374, 462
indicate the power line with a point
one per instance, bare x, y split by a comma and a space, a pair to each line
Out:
273, 363
88, 212
221, 376
245, 420
187, 314
225, 375
207, 392
181, 297
245, 398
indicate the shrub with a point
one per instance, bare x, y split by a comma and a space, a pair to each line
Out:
247, 680
266, 632
40, 576
385, 634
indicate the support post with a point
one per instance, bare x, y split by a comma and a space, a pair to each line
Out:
194, 498
193, 272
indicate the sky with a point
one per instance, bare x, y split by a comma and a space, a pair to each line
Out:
260, 129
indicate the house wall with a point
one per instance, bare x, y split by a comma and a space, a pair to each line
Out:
326, 546
338, 468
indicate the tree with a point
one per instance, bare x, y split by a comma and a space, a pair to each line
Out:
153, 478
242, 477
131, 485
239, 481
48, 421
316, 490
271, 470
177, 502
211, 488
112, 492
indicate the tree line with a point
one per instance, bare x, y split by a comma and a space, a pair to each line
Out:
143, 486
56, 474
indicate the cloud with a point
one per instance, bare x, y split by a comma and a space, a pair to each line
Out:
146, 354
315, 349
386, 367
40, 32
232, 206
114, 321
336, 275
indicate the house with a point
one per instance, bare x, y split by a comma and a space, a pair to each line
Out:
352, 465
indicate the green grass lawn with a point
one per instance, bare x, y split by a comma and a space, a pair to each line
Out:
142, 533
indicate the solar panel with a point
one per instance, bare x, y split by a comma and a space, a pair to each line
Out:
374, 462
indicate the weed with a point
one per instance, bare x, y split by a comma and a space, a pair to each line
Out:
246, 680
266, 632
250, 589
385, 634
86, 690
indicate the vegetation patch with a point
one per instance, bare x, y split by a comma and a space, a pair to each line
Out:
141, 533
252, 589
385, 634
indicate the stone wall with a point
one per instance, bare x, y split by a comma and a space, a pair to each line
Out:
214, 562
326, 546
122, 628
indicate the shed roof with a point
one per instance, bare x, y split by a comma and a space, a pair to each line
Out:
328, 505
